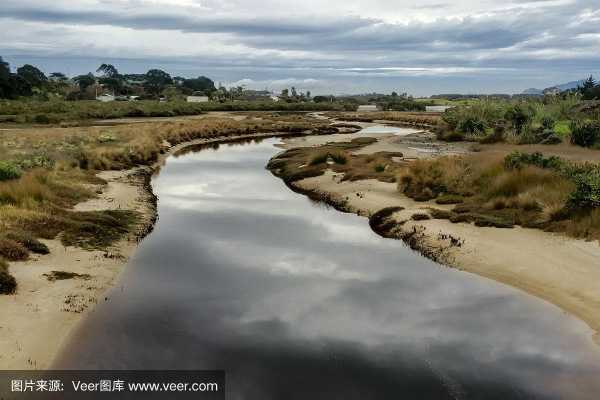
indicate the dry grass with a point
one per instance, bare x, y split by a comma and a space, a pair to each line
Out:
492, 195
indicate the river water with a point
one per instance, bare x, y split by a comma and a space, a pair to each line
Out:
295, 300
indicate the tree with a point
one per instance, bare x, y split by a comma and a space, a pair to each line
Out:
285, 93
33, 76
84, 81
199, 84
5, 80
110, 77
308, 94
108, 71
58, 77
294, 92
156, 81
589, 90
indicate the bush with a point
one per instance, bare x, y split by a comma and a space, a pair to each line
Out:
587, 190
12, 250
8, 284
9, 171
519, 115
29, 242
517, 160
472, 125
585, 133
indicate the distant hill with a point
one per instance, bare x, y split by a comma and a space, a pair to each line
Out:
562, 87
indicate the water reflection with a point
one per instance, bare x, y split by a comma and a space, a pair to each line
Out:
296, 301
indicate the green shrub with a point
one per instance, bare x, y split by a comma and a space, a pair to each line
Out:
8, 171
516, 160
472, 125
585, 133
8, 284
519, 115
379, 168
562, 128
587, 190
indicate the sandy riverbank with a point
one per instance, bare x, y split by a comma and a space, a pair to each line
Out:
558, 269
36, 322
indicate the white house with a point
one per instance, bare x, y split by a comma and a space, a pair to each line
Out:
197, 99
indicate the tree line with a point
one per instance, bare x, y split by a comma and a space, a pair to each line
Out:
29, 81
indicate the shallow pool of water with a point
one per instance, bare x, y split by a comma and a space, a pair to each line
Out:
295, 300
376, 130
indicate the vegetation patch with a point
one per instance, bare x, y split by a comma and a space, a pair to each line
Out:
12, 250
97, 229
530, 190
381, 223
585, 133
446, 198
9, 171
8, 284
544, 120
64, 275
305, 162
29, 242
420, 217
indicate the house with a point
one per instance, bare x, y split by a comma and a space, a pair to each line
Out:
368, 108
197, 99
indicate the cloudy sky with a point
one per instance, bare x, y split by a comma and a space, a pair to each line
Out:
340, 46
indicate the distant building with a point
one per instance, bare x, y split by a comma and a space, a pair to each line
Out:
368, 108
274, 98
197, 99
105, 98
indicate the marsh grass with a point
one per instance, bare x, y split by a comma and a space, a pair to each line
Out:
502, 192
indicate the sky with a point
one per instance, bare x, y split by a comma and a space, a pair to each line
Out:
422, 47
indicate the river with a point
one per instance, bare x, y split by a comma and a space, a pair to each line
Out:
295, 300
